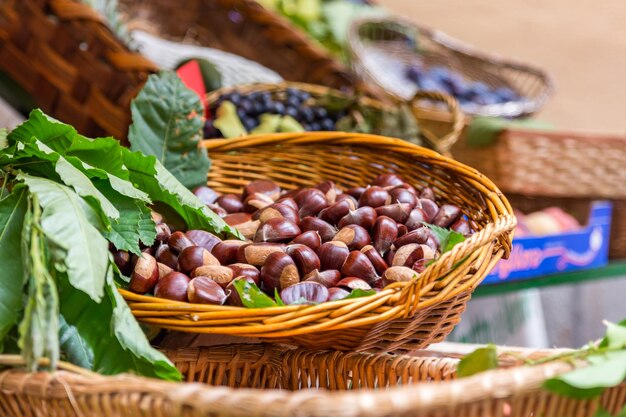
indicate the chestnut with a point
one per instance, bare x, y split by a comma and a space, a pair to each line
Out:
336, 293
355, 192
328, 278
332, 255
279, 272
389, 256
304, 257
363, 216
230, 202
148, 250
256, 253
277, 230
416, 219
248, 229
325, 229
178, 241
374, 196
399, 212
388, 180
122, 261
333, 213
145, 274
358, 265
157, 218
428, 193
345, 196
163, 232
277, 210
430, 208
205, 194
203, 238
462, 226
311, 239
354, 236
398, 274
407, 255
265, 187
256, 202
164, 255
217, 210
354, 283
194, 256
226, 251
402, 195
233, 295
172, 286
374, 256
204, 290
246, 270
163, 269
329, 189
311, 201
402, 229
420, 266
384, 234
446, 215
237, 218
407, 187
222, 275
419, 235
308, 292
290, 202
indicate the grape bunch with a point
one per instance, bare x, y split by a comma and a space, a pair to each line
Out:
291, 102
445, 80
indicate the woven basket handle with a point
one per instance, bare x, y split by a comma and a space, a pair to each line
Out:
441, 144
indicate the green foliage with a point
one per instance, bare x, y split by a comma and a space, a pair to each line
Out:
252, 297
360, 293
482, 359
447, 238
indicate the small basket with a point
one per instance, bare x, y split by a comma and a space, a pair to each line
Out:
269, 381
402, 317
557, 168
381, 47
438, 140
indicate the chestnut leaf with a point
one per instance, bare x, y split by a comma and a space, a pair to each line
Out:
447, 238
252, 296
357, 293
480, 360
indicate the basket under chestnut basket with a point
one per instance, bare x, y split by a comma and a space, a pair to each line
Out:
403, 316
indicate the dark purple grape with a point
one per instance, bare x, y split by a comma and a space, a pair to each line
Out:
307, 115
328, 124
234, 98
315, 127
249, 123
291, 111
320, 112
245, 105
241, 113
293, 101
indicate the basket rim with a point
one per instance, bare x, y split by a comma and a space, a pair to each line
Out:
511, 109
481, 245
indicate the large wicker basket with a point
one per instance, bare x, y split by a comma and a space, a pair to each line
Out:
557, 168
438, 139
270, 381
379, 51
402, 317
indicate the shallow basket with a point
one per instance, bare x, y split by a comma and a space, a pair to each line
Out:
402, 317
269, 381
379, 52
440, 139
565, 169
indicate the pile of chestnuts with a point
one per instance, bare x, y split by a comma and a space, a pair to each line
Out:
310, 245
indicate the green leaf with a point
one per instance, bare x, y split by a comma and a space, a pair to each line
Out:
168, 124
75, 349
3, 138
135, 223
360, 293
339, 15
616, 335
228, 122
605, 370
112, 333
480, 360
483, 130
277, 299
602, 413
12, 211
447, 238
251, 296
48, 130
69, 224
150, 176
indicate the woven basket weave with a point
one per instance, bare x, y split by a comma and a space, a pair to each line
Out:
269, 381
379, 52
557, 168
439, 139
402, 317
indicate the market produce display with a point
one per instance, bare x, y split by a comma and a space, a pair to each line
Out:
552, 220
304, 246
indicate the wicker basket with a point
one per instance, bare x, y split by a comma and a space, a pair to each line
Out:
439, 139
268, 381
402, 317
379, 51
557, 168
